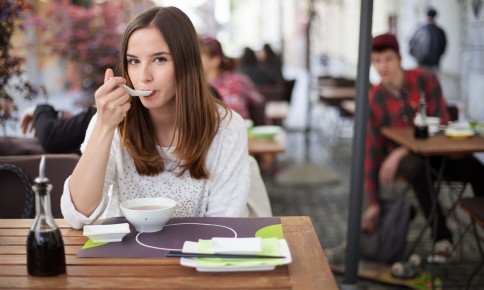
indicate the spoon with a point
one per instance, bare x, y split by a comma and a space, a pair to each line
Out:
136, 93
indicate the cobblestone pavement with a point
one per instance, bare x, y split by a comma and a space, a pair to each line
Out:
327, 205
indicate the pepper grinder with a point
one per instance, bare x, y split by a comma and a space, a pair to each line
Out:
45, 246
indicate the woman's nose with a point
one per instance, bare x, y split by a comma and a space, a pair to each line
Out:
146, 75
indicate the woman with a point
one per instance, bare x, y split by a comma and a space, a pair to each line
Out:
179, 142
236, 89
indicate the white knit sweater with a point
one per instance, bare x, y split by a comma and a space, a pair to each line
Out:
223, 194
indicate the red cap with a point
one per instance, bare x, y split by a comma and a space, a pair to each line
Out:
385, 41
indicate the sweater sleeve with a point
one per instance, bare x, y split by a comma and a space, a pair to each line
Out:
73, 217
229, 185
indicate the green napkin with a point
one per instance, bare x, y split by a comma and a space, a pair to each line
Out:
270, 247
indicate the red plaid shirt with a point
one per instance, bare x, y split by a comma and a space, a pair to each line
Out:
387, 110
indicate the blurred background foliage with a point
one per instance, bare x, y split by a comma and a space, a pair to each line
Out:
12, 16
87, 35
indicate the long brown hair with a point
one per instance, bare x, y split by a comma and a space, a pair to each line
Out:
197, 111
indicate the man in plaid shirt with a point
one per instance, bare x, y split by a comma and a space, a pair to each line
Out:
394, 103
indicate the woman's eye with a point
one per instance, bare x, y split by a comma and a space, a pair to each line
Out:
160, 59
132, 61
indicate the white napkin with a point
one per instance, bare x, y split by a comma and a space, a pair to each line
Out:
106, 233
236, 245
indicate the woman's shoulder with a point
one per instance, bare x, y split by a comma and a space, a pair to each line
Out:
232, 124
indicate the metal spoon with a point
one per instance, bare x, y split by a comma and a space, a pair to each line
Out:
136, 93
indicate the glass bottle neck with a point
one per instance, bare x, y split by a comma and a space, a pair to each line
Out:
423, 105
44, 220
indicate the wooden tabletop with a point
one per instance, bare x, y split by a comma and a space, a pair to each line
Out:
265, 146
337, 93
276, 110
434, 145
309, 268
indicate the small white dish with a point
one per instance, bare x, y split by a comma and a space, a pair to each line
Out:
248, 246
459, 134
192, 247
106, 233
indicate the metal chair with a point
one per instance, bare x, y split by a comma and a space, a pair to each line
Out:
17, 174
474, 207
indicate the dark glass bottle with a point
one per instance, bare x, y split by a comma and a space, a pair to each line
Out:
45, 247
420, 126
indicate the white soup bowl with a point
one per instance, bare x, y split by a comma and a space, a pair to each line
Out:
148, 215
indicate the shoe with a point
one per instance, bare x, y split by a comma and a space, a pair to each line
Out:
405, 270
443, 251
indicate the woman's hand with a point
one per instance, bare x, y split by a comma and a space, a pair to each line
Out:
389, 167
370, 218
112, 102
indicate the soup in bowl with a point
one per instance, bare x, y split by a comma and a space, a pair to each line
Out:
148, 215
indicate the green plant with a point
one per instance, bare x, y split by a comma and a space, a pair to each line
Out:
11, 81
88, 36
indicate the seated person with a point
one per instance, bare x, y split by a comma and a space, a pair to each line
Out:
272, 62
394, 102
236, 89
249, 65
179, 142
57, 131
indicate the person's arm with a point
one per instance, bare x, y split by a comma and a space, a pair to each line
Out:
230, 180
389, 166
444, 42
60, 135
87, 181
373, 159
71, 215
26, 123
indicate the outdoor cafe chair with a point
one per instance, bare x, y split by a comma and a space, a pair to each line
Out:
474, 207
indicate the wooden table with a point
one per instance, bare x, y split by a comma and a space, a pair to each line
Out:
276, 111
259, 146
333, 96
438, 145
308, 270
